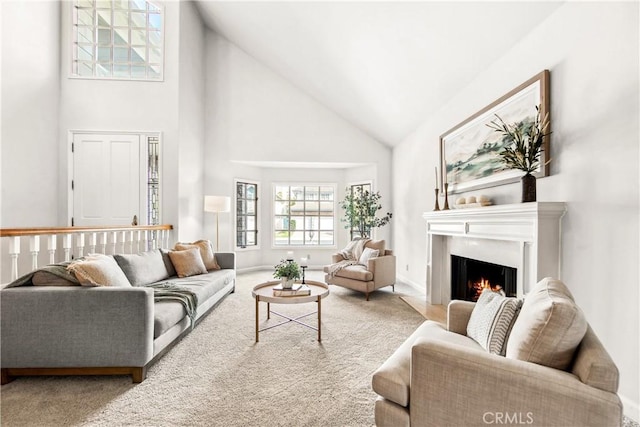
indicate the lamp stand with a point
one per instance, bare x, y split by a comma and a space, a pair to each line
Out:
217, 232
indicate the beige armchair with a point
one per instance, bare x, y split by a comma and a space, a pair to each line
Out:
377, 273
441, 377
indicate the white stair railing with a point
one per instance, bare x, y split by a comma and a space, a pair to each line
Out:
112, 240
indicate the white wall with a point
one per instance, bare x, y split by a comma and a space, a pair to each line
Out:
191, 123
113, 105
253, 115
30, 99
592, 52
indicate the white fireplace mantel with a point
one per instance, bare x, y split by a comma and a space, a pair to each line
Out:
526, 236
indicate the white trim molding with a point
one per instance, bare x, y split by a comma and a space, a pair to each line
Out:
526, 236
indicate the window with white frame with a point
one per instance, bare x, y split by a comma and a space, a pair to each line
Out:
246, 214
304, 215
117, 39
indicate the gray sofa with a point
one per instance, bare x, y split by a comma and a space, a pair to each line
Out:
105, 330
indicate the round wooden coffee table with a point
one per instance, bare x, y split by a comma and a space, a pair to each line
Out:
264, 292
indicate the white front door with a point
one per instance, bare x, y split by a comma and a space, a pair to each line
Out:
106, 179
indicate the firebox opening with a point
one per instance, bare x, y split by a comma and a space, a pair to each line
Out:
469, 277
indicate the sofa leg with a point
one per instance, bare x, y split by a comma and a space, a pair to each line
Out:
367, 295
393, 288
138, 374
6, 378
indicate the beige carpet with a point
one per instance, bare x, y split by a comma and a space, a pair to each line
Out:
218, 375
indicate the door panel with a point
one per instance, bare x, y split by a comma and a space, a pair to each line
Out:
106, 179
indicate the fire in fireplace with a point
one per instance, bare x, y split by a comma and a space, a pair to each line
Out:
469, 277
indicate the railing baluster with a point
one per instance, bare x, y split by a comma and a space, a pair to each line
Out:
14, 251
66, 245
104, 239
122, 240
34, 248
113, 237
130, 241
80, 244
93, 241
52, 243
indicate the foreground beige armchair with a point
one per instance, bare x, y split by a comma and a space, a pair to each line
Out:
440, 377
377, 273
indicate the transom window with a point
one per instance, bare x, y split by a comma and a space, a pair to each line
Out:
304, 215
246, 214
118, 39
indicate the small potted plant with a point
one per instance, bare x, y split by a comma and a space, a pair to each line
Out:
524, 145
287, 271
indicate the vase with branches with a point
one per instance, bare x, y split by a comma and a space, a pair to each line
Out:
524, 144
360, 210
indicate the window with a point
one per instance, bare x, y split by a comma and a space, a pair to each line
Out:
118, 39
246, 214
303, 215
358, 189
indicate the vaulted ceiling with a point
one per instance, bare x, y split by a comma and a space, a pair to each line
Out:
382, 66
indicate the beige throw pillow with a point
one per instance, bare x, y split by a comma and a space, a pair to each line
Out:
188, 262
206, 252
549, 328
98, 270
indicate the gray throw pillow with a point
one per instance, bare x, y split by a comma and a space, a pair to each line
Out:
492, 319
143, 268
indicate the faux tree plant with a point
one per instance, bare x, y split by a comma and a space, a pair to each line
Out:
524, 146
360, 210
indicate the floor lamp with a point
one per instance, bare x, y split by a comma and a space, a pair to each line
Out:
217, 204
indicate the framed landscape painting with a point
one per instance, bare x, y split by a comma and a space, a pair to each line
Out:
469, 153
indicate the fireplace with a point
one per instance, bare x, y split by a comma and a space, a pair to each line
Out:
469, 277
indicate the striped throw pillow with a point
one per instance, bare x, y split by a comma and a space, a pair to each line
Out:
492, 319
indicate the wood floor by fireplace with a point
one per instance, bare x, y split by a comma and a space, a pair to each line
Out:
469, 277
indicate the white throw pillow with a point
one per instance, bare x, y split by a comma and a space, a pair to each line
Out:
367, 254
492, 319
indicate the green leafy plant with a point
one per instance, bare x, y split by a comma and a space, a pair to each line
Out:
524, 141
287, 269
360, 209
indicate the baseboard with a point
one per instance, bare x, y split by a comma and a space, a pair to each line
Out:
631, 409
417, 286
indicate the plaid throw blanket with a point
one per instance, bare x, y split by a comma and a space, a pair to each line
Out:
59, 270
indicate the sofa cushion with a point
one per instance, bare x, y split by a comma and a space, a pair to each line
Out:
376, 245
392, 380
98, 270
171, 270
143, 268
355, 272
367, 254
492, 319
549, 328
187, 262
168, 313
206, 251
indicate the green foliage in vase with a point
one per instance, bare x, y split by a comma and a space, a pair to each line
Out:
287, 269
360, 209
524, 141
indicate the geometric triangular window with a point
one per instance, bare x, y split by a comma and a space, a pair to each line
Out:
118, 39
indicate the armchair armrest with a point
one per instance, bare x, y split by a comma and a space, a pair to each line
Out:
447, 377
383, 269
458, 315
62, 327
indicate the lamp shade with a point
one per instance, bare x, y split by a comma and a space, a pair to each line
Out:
217, 203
